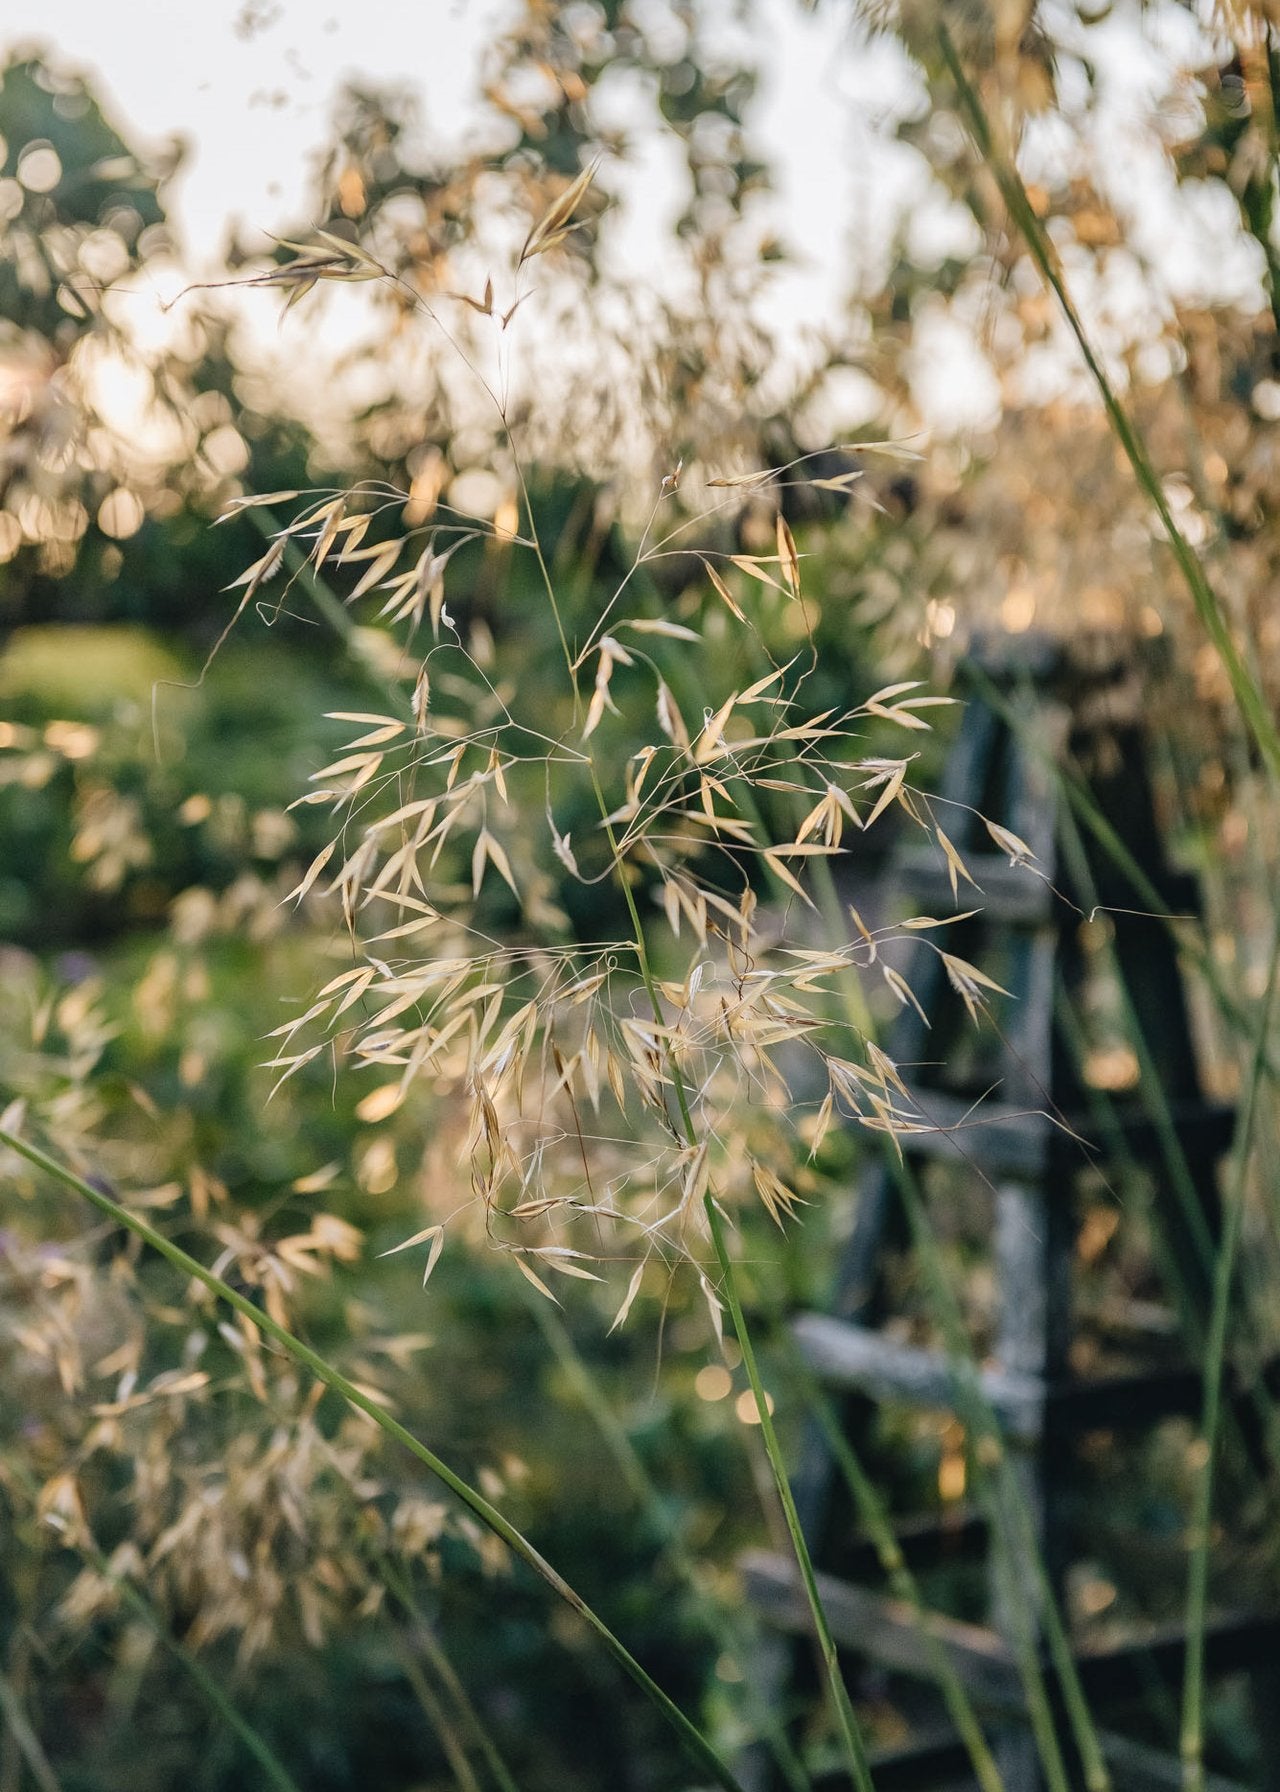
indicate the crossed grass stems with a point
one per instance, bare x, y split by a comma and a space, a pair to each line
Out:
532, 1029
526, 1033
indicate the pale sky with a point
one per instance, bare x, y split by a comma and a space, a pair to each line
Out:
251, 90
254, 102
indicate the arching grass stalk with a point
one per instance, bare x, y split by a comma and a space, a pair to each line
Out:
852, 1744
902, 1582
544, 569
637, 1479
26, 1744
981, 1418
1149, 1081
694, 1742
1208, 606
1108, 1131
397, 1582
439, 1719
851, 1738
1192, 1741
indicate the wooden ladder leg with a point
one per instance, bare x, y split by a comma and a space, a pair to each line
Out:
773, 1672
1033, 1241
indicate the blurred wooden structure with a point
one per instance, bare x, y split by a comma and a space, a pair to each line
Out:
1008, 1106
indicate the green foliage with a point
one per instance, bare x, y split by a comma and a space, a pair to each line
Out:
180, 1504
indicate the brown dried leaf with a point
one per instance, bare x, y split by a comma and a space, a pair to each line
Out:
537, 1281
1018, 850
723, 591
787, 555
628, 1299
551, 228
956, 866
903, 990
753, 565
318, 864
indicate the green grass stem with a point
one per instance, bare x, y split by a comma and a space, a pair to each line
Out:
850, 1735
401, 1590
852, 1745
663, 1526
875, 1521
1192, 1739
1248, 693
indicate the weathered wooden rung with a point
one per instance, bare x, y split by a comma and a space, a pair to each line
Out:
1001, 1139
924, 1542
889, 1631
857, 1357
895, 1635
939, 1760
863, 1360
1014, 1111
1010, 894
1140, 1768
1007, 894
933, 1759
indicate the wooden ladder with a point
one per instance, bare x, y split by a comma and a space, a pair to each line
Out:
1017, 1129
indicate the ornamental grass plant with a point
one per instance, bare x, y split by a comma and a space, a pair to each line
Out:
565, 929
583, 924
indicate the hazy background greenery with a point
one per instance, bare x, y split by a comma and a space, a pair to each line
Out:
148, 839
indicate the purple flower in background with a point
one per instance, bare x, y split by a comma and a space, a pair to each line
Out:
75, 967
